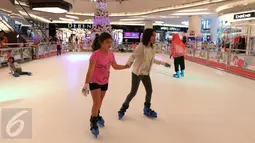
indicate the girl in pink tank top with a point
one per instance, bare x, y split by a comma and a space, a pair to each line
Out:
98, 77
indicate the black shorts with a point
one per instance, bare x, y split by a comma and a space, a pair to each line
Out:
94, 86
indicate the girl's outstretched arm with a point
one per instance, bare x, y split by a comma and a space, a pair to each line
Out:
119, 67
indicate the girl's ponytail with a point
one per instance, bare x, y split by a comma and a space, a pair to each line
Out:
96, 44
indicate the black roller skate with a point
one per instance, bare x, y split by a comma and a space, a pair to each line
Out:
148, 112
93, 126
122, 111
100, 119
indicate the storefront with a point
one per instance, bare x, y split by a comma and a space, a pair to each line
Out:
165, 33
127, 33
73, 32
238, 31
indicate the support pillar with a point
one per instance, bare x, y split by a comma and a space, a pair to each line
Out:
195, 24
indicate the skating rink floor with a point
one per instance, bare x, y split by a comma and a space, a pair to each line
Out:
206, 106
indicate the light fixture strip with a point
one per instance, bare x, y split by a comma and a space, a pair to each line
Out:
192, 10
50, 9
194, 13
71, 16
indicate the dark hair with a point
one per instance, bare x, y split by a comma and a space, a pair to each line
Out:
147, 36
100, 39
2, 31
12, 59
96, 45
104, 36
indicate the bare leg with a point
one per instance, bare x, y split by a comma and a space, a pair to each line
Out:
96, 96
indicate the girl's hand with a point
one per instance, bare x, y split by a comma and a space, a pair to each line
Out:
127, 66
129, 63
85, 89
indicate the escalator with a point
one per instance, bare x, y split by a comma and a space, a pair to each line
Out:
18, 30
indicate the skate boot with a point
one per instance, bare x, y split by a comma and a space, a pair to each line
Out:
100, 119
29, 73
93, 126
148, 111
122, 111
177, 75
182, 73
15, 75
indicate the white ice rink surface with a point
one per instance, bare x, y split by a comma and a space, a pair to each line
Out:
206, 106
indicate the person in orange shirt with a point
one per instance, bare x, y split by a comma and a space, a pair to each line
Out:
3, 40
178, 51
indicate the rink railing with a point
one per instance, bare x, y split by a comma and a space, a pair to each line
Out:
235, 61
23, 52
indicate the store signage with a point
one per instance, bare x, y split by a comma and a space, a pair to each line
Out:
244, 15
80, 26
170, 28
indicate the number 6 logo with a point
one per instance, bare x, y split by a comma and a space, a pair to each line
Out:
14, 120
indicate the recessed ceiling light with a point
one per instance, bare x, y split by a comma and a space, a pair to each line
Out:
192, 10
71, 16
50, 9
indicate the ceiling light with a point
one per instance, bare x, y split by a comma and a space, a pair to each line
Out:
66, 19
71, 16
192, 10
159, 22
50, 9
52, 6
195, 13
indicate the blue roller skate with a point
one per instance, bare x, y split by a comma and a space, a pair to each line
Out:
29, 73
122, 111
147, 111
15, 75
182, 73
177, 75
100, 119
93, 126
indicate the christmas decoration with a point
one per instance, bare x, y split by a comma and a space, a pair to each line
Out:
101, 22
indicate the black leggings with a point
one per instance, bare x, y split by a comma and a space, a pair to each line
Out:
179, 61
58, 51
135, 85
20, 72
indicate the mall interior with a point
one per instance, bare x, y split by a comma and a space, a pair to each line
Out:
53, 40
